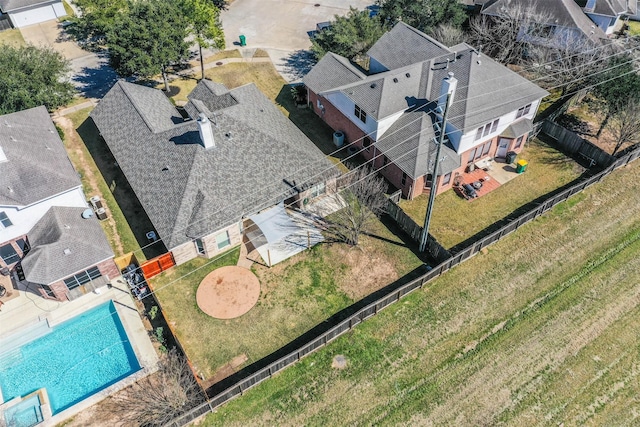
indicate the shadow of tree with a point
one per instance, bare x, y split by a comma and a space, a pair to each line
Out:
123, 193
299, 63
94, 81
575, 124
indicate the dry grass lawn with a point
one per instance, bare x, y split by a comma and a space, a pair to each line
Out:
12, 37
539, 330
455, 219
295, 295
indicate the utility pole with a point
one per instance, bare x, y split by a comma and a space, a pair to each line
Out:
449, 88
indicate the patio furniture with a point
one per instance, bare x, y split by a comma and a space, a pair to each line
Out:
477, 185
469, 191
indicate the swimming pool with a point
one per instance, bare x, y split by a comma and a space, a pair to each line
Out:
78, 358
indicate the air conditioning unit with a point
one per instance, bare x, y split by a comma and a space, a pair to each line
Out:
101, 213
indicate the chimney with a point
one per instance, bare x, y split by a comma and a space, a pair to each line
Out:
449, 85
206, 131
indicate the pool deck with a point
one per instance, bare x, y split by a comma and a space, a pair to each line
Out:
28, 308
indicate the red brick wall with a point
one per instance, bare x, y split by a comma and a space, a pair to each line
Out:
336, 120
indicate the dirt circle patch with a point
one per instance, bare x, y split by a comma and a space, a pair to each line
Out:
228, 292
339, 362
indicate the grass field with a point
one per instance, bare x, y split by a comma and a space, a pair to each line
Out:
540, 329
455, 219
12, 37
295, 295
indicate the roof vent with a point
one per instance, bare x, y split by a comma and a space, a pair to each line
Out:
373, 85
228, 135
407, 75
6, 123
165, 169
395, 80
67, 251
12, 138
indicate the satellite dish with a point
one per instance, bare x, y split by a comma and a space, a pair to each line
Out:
87, 213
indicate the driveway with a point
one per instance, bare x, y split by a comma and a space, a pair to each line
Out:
282, 28
90, 71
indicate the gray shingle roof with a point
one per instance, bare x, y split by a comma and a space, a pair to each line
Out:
63, 228
559, 13
37, 165
411, 145
404, 45
11, 5
518, 128
188, 191
332, 71
608, 7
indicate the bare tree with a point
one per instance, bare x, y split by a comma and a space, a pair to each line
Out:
363, 201
447, 34
624, 125
158, 398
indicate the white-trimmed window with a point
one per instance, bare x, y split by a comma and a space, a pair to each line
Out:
446, 179
360, 113
523, 111
82, 278
223, 240
519, 142
487, 129
8, 254
4, 220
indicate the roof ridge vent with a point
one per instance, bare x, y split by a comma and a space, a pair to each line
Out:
66, 251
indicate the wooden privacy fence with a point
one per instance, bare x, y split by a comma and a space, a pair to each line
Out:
157, 265
330, 332
574, 144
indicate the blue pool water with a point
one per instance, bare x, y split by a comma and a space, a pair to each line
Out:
75, 360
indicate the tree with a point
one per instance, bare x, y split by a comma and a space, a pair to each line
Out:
363, 201
148, 39
32, 76
204, 23
424, 15
614, 87
624, 124
350, 36
160, 397
96, 19
447, 34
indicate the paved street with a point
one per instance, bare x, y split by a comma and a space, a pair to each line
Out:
282, 28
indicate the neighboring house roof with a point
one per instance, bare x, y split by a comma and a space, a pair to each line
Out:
411, 145
64, 243
559, 13
37, 165
608, 7
189, 191
331, 71
7, 6
404, 45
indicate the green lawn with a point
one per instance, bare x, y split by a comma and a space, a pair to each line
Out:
541, 329
295, 295
634, 28
455, 219
116, 228
12, 37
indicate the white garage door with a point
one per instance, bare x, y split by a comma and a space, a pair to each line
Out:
35, 16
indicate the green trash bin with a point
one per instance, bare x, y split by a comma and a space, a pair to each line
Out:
243, 40
521, 166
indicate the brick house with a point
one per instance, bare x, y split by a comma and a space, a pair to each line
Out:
393, 112
200, 172
44, 239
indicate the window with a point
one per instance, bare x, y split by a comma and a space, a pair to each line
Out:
523, 111
47, 289
474, 154
494, 125
359, 112
223, 240
487, 129
9, 254
486, 148
82, 278
23, 245
446, 179
4, 220
199, 246
519, 141
366, 143
404, 178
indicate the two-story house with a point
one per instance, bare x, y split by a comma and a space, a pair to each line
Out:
44, 239
609, 15
393, 112
553, 23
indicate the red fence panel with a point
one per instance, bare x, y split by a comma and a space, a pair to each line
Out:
157, 265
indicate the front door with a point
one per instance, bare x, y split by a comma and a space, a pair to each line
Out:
503, 147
